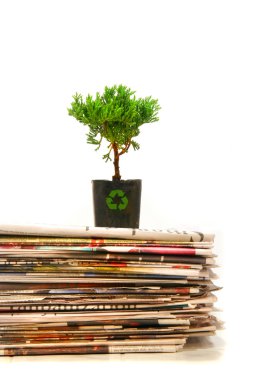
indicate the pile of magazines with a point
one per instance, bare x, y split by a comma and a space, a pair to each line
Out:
85, 290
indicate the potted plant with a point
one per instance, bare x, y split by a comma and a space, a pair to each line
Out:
115, 116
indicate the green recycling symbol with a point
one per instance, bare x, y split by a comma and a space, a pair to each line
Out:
120, 197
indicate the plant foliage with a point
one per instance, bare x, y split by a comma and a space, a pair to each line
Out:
115, 116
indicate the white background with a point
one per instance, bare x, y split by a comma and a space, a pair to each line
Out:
195, 163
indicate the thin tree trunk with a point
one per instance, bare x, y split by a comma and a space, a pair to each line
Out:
117, 175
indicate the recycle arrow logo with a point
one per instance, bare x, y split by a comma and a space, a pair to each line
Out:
118, 195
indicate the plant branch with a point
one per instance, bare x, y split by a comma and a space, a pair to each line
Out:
99, 143
124, 150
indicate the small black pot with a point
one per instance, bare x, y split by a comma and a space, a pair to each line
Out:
117, 203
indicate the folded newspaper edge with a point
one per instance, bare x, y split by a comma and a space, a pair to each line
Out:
106, 232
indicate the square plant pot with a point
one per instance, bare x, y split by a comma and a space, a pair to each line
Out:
117, 203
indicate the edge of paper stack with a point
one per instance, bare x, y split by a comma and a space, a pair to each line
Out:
85, 290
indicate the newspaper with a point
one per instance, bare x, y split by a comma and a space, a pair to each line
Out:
87, 290
106, 232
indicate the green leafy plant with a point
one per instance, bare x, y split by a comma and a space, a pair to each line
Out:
115, 116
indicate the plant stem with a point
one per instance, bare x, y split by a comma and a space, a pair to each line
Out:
117, 175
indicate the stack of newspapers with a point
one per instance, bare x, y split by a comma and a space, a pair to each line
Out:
85, 290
